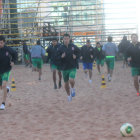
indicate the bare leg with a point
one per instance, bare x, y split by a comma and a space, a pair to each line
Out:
136, 84
54, 76
72, 83
4, 87
98, 67
40, 73
60, 78
67, 88
54, 79
90, 74
111, 72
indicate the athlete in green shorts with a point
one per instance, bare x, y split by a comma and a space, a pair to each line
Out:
99, 56
37, 52
68, 54
52, 51
133, 57
8, 56
110, 49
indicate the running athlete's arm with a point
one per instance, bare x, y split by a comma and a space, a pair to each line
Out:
77, 52
13, 54
81, 53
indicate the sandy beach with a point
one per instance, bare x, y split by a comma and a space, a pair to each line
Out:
36, 111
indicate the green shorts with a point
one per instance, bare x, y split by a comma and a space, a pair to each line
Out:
4, 77
54, 67
26, 56
110, 62
69, 74
37, 62
135, 71
100, 62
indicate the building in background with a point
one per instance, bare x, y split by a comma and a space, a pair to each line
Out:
42, 19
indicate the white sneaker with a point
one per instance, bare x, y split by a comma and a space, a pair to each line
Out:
69, 98
2, 107
108, 77
8, 91
90, 81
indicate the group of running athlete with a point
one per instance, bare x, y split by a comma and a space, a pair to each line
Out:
64, 59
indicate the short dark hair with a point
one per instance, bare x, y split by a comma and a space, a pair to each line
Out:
67, 35
88, 41
110, 39
38, 42
2, 38
98, 43
134, 34
124, 37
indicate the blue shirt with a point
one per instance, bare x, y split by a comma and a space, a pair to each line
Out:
37, 51
110, 49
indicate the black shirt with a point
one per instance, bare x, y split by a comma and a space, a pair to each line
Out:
99, 54
123, 46
86, 53
7, 55
25, 49
68, 62
133, 51
53, 54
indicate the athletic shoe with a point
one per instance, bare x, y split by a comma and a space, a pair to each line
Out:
2, 107
73, 93
8, 89
109, 77
69, 98
8, 92
138, 94
90, 81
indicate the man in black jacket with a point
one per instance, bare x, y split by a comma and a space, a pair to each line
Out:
87, 57
52, 51
133, 56
7, 58
100, 56
68, 55
123, 46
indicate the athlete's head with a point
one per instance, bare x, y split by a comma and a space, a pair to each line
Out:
38, 42
2, 41
134, 38
66, 39
88, 43
54, 41
98, 44
110, 39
